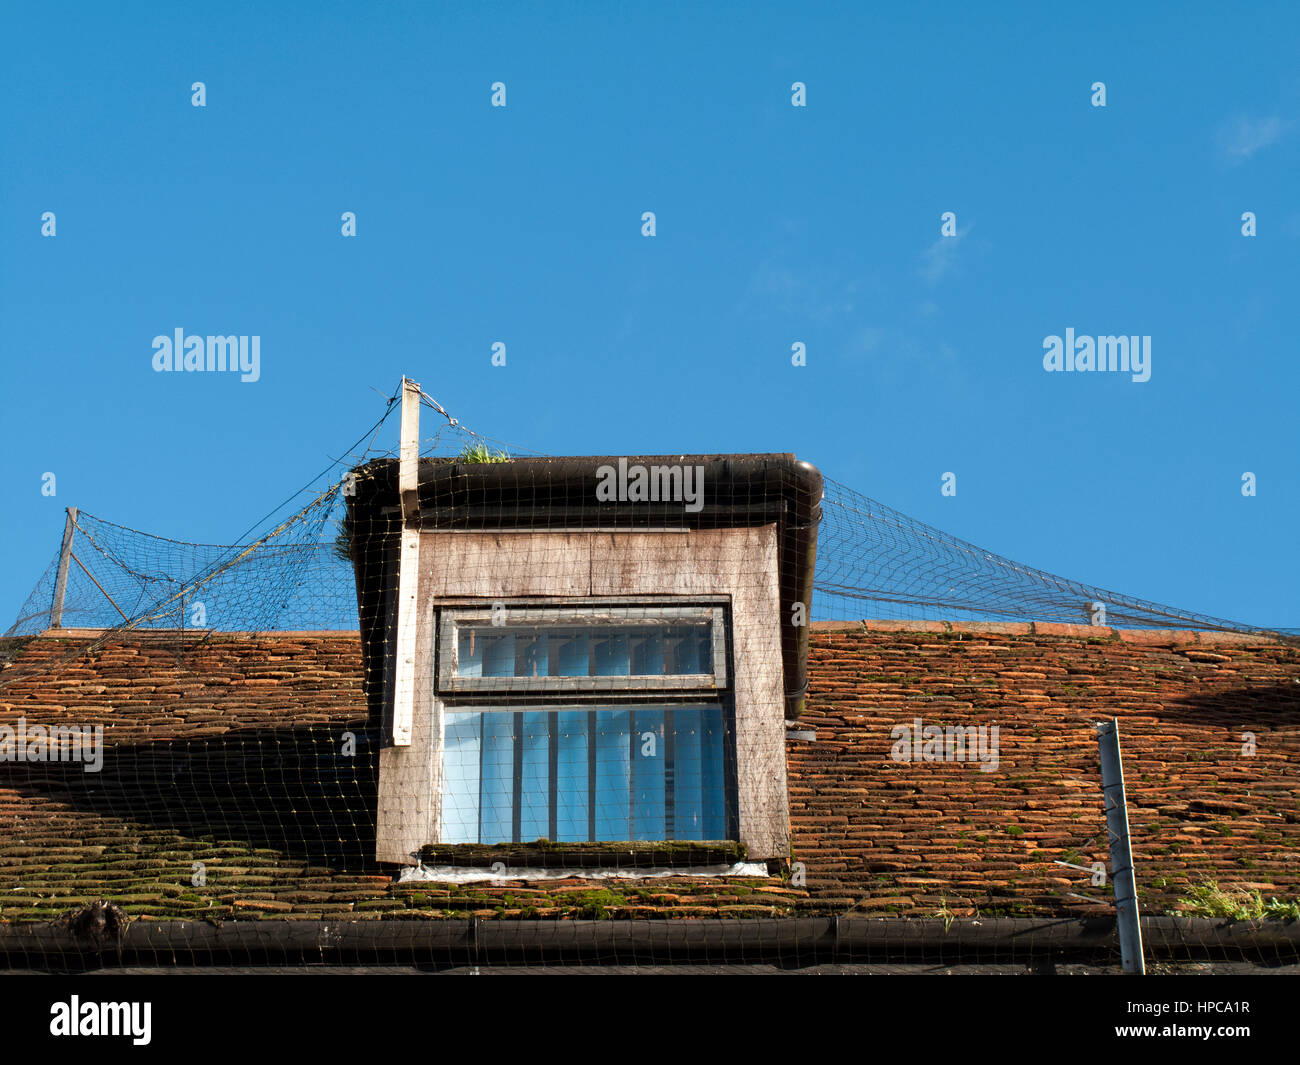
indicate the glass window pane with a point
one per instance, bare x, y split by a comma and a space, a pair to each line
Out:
613, 657
613, 774
569, 655
530, 655
625, 773
571, 772
688, 787
686, 647
535, 778
469, 654
636, 649
460, 778
712, 779
497, 779
498, 654
649, 759
648, 654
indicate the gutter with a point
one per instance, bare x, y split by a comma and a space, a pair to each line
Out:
797, 941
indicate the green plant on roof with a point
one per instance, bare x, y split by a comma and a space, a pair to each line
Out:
596, 905
1208, 899
471, 452
480, 452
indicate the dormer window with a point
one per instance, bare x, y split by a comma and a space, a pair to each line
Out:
586, 722
547, 660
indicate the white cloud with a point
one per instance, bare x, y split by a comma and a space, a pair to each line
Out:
820, 295
1242, 137
941, 256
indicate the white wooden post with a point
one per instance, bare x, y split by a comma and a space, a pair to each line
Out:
61, 579
408, 575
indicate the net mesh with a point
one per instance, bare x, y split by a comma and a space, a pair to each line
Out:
872, 562
876, 562
248, 741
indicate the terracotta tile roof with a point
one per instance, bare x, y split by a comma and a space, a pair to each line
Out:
881, 835
231, 756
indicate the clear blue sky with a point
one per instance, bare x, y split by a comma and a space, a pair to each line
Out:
775, 224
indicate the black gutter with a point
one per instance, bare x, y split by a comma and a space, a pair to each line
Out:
787, 941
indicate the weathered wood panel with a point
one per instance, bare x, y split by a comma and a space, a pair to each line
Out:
409, 777
739, 563
499, 565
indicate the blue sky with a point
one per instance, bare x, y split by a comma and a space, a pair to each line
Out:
775, 224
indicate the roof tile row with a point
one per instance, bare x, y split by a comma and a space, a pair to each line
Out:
225, 791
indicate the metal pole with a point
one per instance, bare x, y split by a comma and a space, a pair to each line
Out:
1121, 851
61, 580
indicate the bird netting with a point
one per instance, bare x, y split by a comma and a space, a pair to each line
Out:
611, 738
876, 562
873, 562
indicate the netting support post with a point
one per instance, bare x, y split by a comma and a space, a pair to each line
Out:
1121, 849
408, 483
61, 579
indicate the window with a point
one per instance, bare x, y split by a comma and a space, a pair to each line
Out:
585, 723
568, 649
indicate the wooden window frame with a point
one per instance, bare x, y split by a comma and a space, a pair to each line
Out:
639, 611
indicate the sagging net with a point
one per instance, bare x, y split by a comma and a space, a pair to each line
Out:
242, 781
876, 562
873, 562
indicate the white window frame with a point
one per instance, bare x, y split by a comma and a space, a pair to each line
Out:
581, 612
455, 693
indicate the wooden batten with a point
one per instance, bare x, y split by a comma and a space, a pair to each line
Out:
409, 567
